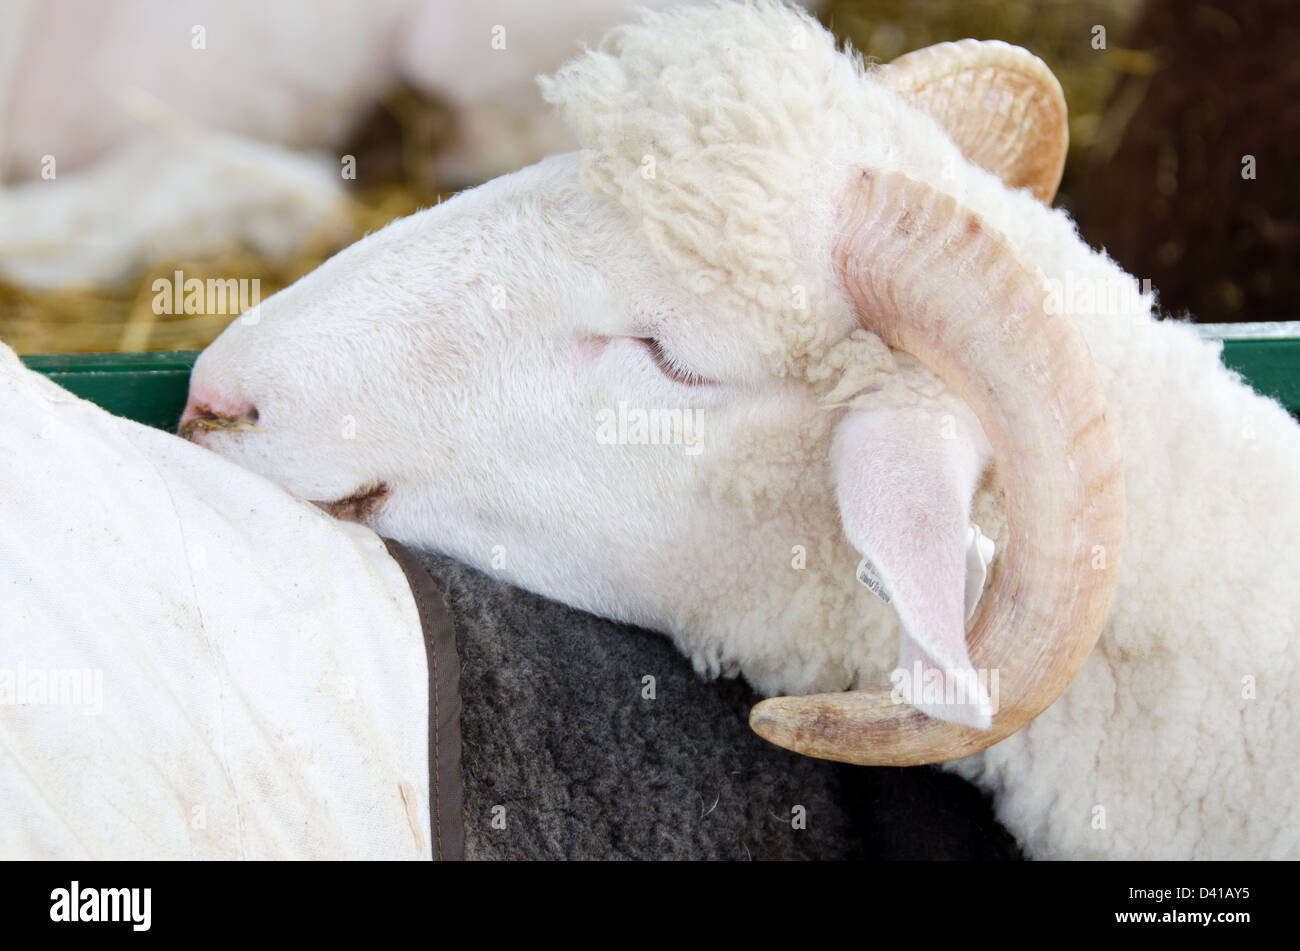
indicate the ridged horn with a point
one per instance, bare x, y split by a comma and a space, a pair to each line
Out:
1001, 104
926, 275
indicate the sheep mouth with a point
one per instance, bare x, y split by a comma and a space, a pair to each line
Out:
358, 506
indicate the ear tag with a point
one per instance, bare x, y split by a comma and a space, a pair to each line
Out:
868, 576
979, 554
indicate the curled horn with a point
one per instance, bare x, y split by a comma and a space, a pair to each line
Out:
926, 275
999, 103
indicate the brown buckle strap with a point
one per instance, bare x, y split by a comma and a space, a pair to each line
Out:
446, 786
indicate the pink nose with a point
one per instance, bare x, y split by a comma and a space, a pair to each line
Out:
203, 403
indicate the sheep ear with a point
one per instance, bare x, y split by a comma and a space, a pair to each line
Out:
904, 480
1000, 104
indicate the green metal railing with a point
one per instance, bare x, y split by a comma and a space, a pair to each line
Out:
151, 387
1266, 355
147, 387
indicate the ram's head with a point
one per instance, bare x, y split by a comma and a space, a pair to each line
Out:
753, 214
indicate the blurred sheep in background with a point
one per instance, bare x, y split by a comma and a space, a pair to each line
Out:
139, 131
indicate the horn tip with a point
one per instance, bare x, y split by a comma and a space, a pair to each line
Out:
766, 719
783, 722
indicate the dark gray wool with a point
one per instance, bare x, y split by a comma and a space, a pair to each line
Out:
558, 729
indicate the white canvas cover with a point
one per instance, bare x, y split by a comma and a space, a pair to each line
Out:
193, 664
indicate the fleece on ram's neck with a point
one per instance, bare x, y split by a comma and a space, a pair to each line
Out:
728, 135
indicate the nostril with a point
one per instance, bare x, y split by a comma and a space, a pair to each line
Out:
200, 417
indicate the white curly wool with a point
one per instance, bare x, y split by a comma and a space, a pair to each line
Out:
681, 135
726, 146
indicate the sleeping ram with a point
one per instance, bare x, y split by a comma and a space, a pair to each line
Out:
889, 348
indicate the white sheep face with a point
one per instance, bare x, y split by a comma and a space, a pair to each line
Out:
477, 379
486, 361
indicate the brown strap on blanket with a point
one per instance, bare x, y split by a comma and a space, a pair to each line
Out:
446, 788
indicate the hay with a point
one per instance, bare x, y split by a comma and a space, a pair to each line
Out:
395, 148
123, 318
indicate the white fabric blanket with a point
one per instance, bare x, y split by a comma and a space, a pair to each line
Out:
193, 664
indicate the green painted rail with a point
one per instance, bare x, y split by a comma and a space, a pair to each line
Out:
1266, 355
151, 387
147, 387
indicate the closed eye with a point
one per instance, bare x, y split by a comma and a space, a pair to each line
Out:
669, 366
